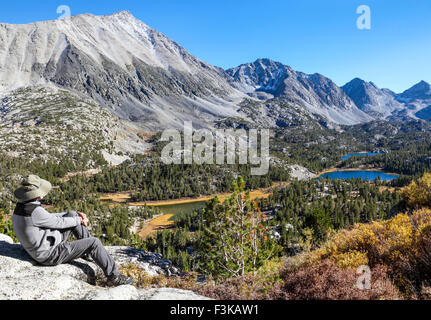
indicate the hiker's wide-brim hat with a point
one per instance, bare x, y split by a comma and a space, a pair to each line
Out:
32, 187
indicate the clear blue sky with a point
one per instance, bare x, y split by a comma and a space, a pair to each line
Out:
309, 35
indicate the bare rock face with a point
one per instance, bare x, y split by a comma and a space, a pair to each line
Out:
23, 279
379, 103
301, 173
153, 263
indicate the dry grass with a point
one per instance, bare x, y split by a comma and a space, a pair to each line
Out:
158, 224
401, 245
146, 281
120, 197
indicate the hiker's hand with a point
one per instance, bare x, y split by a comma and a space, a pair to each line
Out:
84, 218
84, 221
82, 215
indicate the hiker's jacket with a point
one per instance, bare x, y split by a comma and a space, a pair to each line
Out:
38, 230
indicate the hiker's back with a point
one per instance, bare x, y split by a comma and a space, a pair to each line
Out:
36, 241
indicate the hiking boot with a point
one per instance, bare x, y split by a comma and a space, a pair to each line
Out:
87, 258
120, 280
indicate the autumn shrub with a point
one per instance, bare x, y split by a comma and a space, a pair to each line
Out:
264, 285
402, 244
418, 194
247, 287
328, 281
144, 280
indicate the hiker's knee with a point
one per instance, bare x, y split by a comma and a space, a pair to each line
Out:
96, 242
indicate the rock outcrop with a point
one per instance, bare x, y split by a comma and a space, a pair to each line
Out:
23, 279
301, 173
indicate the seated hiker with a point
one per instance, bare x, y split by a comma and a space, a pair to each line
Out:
44, 235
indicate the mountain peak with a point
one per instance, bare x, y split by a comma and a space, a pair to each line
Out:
421, 90
122, 14
263, 73
119, 62
357, 80
267, 62
359, 83
264, 60
423, 84
370, 98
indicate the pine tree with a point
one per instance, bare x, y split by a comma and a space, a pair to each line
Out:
234, 241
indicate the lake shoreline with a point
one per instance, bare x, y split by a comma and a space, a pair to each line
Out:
123, 197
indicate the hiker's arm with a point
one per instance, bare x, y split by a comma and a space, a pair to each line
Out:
60, 214
43, 219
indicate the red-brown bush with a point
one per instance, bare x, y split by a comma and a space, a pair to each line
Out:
327, 281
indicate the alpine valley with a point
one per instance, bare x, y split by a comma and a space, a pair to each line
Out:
84, 101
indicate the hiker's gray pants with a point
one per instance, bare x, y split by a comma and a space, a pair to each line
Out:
86, 244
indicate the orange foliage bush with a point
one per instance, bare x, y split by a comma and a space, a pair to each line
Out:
327, 281
418, 194
402, 244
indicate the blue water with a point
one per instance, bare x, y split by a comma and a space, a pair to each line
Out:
364, 175
347, 157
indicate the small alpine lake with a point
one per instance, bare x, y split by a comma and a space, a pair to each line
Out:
358, 174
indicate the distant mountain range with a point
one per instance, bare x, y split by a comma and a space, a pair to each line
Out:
142, 76
316, 93
385, 104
